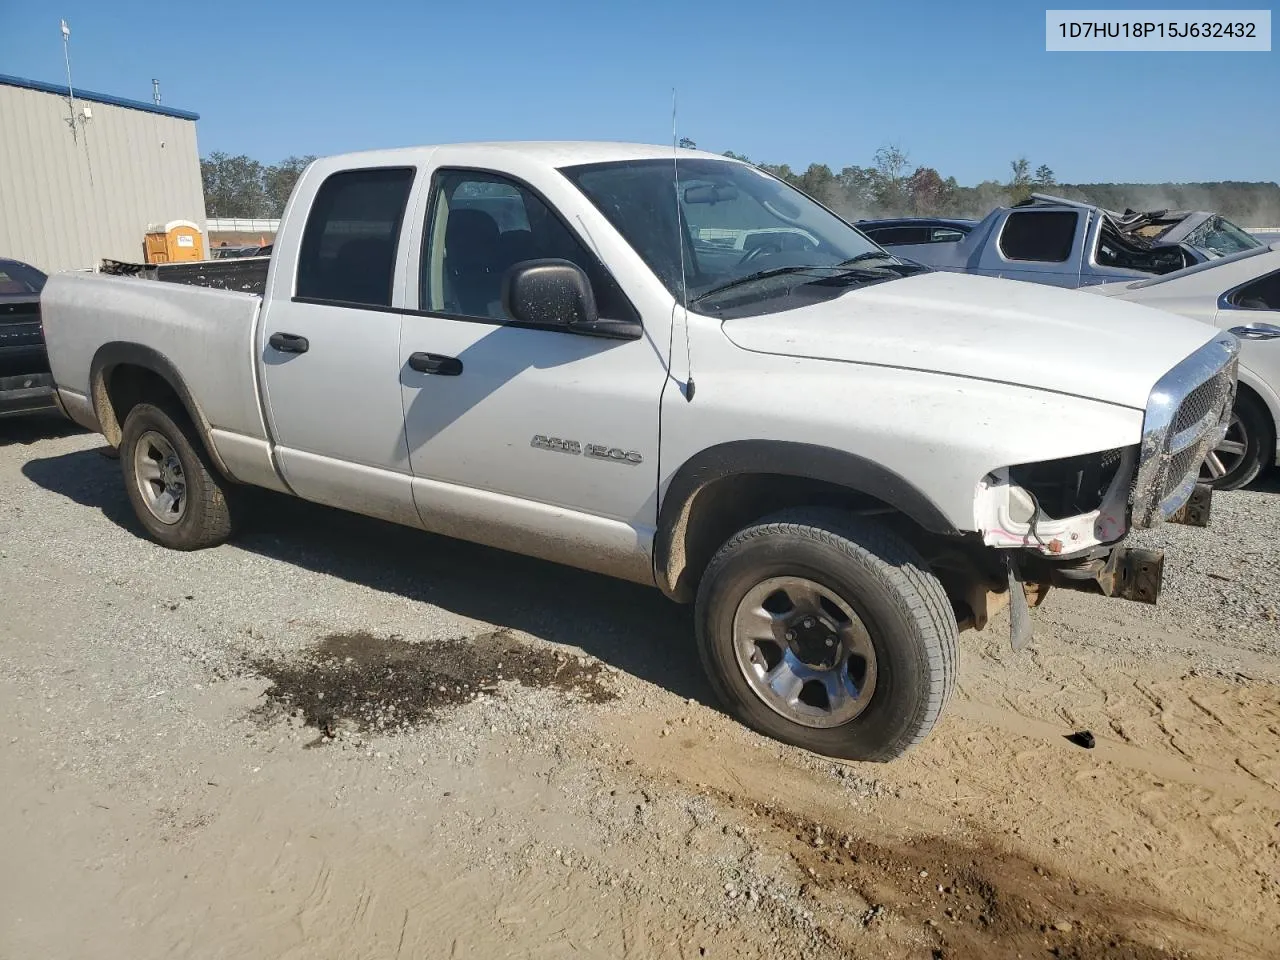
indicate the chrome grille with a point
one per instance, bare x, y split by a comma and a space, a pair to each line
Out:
1201, 401
1180, 465
1187, 413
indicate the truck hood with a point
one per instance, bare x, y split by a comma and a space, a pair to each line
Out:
983, 328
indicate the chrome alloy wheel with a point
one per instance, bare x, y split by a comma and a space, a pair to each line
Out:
1228, 454
157, 472
804, 652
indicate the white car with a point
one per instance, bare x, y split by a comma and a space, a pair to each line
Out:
1239, 293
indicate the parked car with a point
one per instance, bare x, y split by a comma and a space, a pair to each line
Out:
910, 231
26, 386
1062, 242
233, 253
1239, 293
842, 460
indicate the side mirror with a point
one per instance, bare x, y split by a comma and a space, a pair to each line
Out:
549, 293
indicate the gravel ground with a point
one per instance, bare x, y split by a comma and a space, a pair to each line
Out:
336, 737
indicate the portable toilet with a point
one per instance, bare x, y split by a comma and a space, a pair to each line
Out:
174, 242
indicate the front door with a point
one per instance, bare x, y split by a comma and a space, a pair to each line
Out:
539, 440
330, 352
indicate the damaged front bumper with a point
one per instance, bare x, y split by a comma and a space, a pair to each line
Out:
1124, 573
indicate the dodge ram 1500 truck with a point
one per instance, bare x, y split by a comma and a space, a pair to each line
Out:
673, 368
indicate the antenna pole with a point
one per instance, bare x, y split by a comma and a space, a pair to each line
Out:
155, 91
684, 289
71, 92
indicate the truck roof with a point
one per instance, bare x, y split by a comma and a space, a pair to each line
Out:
554, 153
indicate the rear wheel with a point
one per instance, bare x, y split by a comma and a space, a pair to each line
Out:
1248, 447
174, 489
828, 632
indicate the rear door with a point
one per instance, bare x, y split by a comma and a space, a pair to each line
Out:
1042, 246
329, 344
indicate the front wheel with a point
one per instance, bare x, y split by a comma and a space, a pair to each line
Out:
828, 632
1247, 448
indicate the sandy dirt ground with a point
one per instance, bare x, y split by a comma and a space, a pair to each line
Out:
337, 738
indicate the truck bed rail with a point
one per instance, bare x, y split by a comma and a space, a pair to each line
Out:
243, 274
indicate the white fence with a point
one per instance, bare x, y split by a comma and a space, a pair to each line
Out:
242, 225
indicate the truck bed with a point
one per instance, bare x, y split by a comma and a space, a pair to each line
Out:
244, 274
205, 336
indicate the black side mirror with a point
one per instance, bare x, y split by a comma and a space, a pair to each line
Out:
549, 293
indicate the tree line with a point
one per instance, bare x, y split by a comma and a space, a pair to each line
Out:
890, 186
242, 187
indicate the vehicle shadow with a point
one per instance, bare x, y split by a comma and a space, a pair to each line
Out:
631, 627
1266, 482
36, 426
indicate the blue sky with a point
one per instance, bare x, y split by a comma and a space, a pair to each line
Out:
963, 87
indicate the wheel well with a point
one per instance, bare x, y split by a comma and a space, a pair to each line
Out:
720, 508
121, 388
1246, 392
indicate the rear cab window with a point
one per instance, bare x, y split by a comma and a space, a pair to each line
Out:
348, 252
1039, 236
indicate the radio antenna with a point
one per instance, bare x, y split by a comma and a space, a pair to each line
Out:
684, 289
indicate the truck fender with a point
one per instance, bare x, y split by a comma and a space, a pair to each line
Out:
119, 353
773, 458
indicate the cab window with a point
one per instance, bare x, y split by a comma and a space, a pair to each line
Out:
348, 252
480, 225
1042, 236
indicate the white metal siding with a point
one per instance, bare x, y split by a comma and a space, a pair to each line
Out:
66, 203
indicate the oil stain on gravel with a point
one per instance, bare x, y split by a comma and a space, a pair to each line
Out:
388, 683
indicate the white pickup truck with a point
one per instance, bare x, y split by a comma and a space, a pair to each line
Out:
677, 370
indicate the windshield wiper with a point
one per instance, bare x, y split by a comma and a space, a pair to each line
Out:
869, 255
764, 274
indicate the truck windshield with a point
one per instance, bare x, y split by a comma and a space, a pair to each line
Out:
743, 232
1220, 236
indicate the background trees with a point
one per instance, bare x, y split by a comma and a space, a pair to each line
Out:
241, 187
890, 185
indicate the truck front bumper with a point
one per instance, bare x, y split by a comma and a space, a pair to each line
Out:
1127, 573
26, 393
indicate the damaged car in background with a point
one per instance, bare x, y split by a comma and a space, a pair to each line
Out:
1240, 294
1066, 243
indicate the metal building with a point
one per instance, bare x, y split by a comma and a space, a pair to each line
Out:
83, 176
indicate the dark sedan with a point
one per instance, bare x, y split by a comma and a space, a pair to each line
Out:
26, 384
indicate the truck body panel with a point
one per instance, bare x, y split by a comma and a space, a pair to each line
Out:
979, 328
206, 334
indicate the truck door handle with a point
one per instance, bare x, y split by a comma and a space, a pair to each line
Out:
435, 363
288, 343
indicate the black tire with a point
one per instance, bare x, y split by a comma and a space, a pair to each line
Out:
1252, 426
207, 517
911, 624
